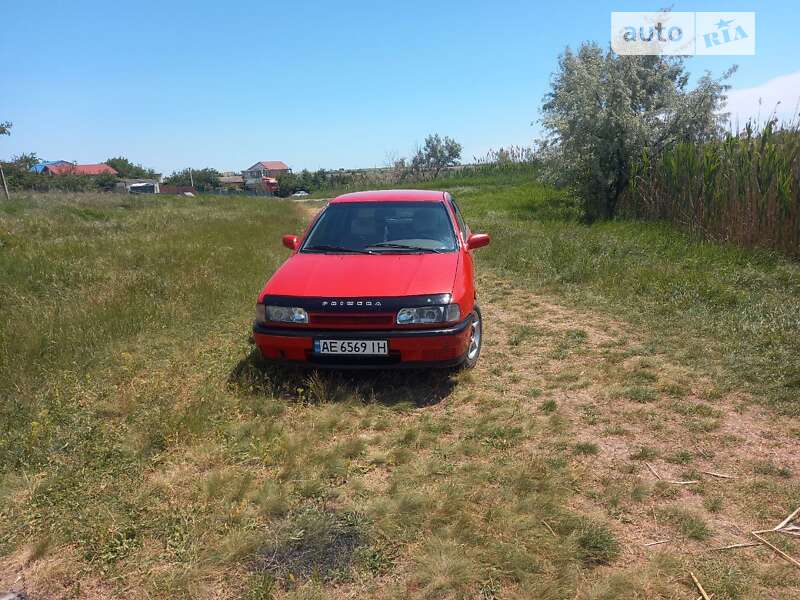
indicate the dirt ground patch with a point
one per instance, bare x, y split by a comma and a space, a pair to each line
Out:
637, 420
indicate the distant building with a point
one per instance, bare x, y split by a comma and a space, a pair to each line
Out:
39, 167
232, 182
181, 190
263, 175
266, 168
139, 185
269, 184
65, 168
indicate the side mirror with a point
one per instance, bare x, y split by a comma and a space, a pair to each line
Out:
478, 240
290, 241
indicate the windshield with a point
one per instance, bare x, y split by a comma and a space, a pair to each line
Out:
382, 227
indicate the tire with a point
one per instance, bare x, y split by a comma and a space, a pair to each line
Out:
475, 342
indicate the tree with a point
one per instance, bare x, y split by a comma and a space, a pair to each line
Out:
205, 180
605, 110
25, 161
105, 181
127, 169
436, 154
288, 184
5, 129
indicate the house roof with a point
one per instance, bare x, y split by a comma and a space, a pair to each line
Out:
231, 179
70, 169
270, 165
40, 166
392, 195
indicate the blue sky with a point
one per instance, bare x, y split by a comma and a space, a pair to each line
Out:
316, 84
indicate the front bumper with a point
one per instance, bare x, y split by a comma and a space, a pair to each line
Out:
409, 348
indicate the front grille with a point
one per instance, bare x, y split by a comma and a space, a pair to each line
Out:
371, 320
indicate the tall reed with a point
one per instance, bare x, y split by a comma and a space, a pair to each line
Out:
743, 189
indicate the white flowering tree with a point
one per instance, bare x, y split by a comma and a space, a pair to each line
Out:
605, 110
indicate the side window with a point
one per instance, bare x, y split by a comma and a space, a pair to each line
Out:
461, 225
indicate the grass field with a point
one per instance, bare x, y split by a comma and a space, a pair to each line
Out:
148, 453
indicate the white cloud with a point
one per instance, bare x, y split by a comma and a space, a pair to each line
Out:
779, 96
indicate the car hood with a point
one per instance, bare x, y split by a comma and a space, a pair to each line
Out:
352, 275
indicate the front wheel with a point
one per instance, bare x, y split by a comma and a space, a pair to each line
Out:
475, 340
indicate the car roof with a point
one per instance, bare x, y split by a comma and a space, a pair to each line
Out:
392, 196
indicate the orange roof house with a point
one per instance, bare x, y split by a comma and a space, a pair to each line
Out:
275, 166
72, 169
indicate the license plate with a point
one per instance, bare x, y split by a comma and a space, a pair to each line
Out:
351, 347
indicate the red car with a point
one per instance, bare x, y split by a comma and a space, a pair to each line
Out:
380, 279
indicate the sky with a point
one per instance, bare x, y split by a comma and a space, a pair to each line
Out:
176, 83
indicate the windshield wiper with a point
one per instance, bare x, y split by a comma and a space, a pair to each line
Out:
405, 247
327, 248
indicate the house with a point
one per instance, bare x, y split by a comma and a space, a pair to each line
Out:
262, 176
62, 168
40, 166
266, 168
229, 181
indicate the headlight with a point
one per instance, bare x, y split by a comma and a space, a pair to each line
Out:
283, 314
428, 314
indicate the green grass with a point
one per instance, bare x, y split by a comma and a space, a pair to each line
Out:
686, 522
681, 457
732, 311
92, 284
644, 453
477, 175
119, 316
548, 406
596, 544
586, 448
147, 447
